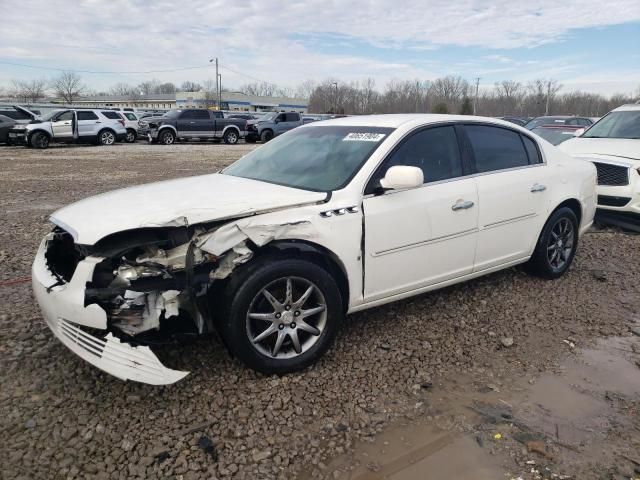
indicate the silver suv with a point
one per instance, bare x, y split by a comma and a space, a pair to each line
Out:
101, 127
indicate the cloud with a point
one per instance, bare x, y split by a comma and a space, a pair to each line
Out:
287, 41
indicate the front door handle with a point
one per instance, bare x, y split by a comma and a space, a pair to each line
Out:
538, 188
462, 205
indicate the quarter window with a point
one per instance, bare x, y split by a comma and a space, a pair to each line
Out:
434, 150
496, 148
112, 115
87, 116
532, 150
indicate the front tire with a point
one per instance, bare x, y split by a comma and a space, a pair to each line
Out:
131, 136
266, 135
39, 140
231, 137
281, 315
556, 246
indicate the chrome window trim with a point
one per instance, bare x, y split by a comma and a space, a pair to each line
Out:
445, 123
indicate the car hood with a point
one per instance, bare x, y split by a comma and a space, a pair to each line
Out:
179, 202
620, 149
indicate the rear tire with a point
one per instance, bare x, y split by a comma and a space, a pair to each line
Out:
131, 136
231, 137
39, 140
266, 135
313, 326
556, 246
106, 138
167, 137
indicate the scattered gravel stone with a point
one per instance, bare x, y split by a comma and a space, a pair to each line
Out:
92, 425
506, 341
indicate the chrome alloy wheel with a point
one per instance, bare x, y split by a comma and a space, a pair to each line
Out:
107, 138
560, 245
286, 318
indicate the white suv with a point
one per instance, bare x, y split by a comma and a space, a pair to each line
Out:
102, 127
613, 145
131, 124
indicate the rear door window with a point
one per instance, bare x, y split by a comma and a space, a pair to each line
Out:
87, 116
496, 148
293, 117
200, 114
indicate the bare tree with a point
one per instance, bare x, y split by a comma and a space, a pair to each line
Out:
261, 89
68, 85
209, 88
189, 86
509, 94
121, 88
148, 87
28, 91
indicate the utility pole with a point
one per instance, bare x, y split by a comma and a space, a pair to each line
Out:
546, 109
475, 100
219, 83
335, 99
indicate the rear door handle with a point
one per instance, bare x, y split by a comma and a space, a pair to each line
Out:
462, 205
538, 188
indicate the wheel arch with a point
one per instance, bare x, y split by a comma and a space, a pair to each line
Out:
170, 127
38, 130
314, 253
572, 203
231, 127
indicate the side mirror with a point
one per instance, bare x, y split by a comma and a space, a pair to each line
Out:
402, 177
579, 132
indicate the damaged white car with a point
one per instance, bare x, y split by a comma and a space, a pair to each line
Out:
331, 218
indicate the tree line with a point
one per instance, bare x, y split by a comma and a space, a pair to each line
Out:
450, 94
456, 95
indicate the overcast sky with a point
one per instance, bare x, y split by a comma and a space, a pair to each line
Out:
586, 44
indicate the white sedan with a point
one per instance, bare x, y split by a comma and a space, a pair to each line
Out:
331, 218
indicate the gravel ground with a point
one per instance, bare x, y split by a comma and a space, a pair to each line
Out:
62, 418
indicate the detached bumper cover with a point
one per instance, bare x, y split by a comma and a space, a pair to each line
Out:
65, 313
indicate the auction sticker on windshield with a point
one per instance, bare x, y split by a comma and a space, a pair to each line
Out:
364, 137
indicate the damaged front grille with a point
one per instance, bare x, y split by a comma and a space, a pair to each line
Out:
62, 255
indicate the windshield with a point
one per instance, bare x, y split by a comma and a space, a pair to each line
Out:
319, 158
622, 124
536, 122
554, 136
269, 116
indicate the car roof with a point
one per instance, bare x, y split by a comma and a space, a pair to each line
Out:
627, 107
395, 120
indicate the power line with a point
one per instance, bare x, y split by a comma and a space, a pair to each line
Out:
105, 72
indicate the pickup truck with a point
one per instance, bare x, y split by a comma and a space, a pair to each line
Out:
195, 123
271, 125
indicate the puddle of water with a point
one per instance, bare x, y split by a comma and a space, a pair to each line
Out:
422, 451
572, 408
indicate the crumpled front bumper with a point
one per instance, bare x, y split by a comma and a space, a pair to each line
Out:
64, 311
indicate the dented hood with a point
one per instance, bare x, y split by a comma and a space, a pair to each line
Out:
184, 201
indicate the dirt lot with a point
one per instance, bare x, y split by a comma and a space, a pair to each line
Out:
507, 376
